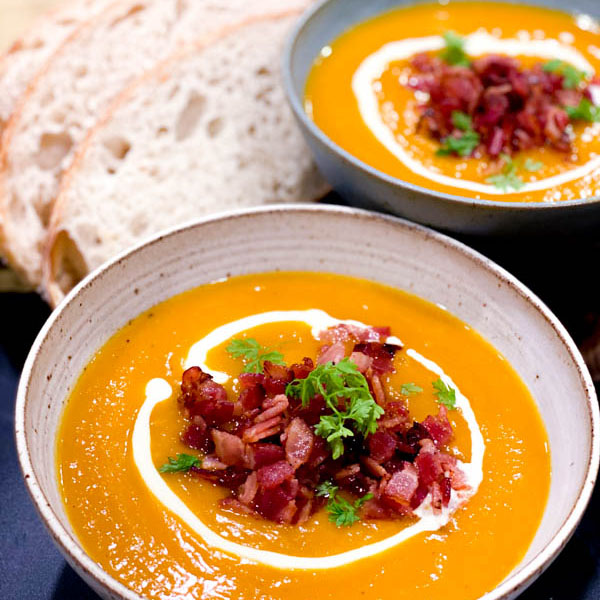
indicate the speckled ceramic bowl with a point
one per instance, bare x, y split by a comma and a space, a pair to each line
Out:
313, 238
365, 186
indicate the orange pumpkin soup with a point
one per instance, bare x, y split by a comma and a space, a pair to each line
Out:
486, 100
170, 535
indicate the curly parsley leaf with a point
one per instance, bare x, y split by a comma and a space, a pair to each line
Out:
183, 462
461, 120
254, 354
342, 512
410, 389
507, 179
326, 489
445, 394
532, 165
462, 144
346, 393
454, 52
572, 77
584, 111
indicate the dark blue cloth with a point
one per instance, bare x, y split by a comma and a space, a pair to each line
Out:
31, 568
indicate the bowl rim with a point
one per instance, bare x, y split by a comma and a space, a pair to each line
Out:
516, 583
297, 106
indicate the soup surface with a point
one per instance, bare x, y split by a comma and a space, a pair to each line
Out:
127, 528
366, 94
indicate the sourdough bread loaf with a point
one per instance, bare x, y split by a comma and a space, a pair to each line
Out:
208, 130
28, 54
66, 99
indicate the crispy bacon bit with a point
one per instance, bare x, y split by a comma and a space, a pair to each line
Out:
264, 449
373, 467
382, 355
262, 430
402, 485
439, 427
202, 396
299, 442
345, 333
273, 407
248, 489
511, 108
382, 446
262, 454
273, 475
229, 448
362, 361
197, 436
333, 354
303, 369
276, 378
376, 387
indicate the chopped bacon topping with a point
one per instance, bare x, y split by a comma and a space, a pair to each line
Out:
265, 448
299, 443
511, 108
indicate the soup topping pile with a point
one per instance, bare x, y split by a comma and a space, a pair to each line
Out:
492, 104
301, 436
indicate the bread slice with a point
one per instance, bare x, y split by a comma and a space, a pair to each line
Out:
68, 97
28, 54
208, 130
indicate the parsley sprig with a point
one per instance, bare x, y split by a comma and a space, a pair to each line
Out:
507, 179
341, 512
532, 165
462, 144
346, 393
445, 394
584, 111
454, 52
572, 77
254, 354
410, 389
183, 462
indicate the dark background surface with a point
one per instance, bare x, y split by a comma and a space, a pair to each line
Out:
562, 271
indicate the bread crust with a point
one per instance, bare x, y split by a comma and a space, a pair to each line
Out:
6, 134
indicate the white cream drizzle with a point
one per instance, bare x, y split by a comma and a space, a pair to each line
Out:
476, 44
158, 390
317, 320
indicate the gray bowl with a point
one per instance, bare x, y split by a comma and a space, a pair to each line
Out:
362, 185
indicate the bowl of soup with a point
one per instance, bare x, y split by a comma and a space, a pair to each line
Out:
306, 397
474, 117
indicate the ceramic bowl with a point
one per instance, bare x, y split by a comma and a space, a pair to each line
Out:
316, 238
362, 185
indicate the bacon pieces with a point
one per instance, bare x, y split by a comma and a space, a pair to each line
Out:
299, 443
264, 448
511, 108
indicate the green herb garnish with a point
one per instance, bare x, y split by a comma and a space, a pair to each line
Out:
183, 462
572, 77
461, 120
464, 144
532, 165
445, 394
585, 111
410, 389
341, 512
346, 393
454, 52
254, 354
507, 178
